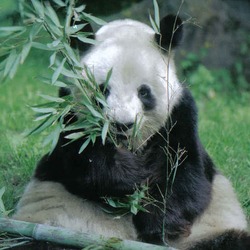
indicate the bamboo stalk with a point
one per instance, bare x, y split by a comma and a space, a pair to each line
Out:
71, 238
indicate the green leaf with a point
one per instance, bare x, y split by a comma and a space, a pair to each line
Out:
75, 28
85, 39
44, 110
42, 117
71, 74
52, 59
39, 8
52, 98
41, 46
53, 137
60, 3
52, 15
84, 145
10, 61
44, 125
96, 20
108, 78
111, 202
58, 71
72, 55
157, 15
25, 52
80, 8
94, 112
133, 209
75, 136
153, 24
12, 29
105, 131
36, 27
14, 66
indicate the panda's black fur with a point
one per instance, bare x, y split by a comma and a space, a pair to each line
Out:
106, 170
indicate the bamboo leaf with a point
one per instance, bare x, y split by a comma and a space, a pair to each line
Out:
44, 110
153, 24
40, 46
14, 66
53, 137
108, 78
44, 125
39, 8
105, 131
96, 20
75, 136
25, 52
35, 30
84, 145
41, 117
12, 29
48, 81
85, 39
10, 61
60, 3
52, 98
71, 74
157, 15
52, 15
94, 112
75, 28
52, 59
72, 55
58, 72
80, 8
56, 44
53, 29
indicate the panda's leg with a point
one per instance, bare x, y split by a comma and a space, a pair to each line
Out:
222, 225
50, 203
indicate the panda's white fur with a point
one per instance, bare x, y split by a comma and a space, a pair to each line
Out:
127, 47
223, 213
49, 203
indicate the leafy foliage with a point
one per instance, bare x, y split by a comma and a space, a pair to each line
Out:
130, 203
41, 20
43, 29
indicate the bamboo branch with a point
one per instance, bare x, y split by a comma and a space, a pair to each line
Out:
71, 238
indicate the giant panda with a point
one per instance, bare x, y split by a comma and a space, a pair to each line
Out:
196, 205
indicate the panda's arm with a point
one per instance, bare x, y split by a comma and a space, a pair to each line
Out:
101, 170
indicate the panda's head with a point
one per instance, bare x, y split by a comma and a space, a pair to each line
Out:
143, 86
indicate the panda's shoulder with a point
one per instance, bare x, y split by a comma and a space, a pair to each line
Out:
185, 109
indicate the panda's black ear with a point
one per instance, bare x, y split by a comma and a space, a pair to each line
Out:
170, 32
76, 43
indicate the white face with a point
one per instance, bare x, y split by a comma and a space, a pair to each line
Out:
142, 87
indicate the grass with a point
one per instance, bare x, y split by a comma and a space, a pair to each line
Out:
224, 130
19, 154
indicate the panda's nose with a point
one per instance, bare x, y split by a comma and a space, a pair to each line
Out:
122, 127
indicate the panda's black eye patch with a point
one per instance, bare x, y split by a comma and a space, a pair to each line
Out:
146, 97
105, 90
